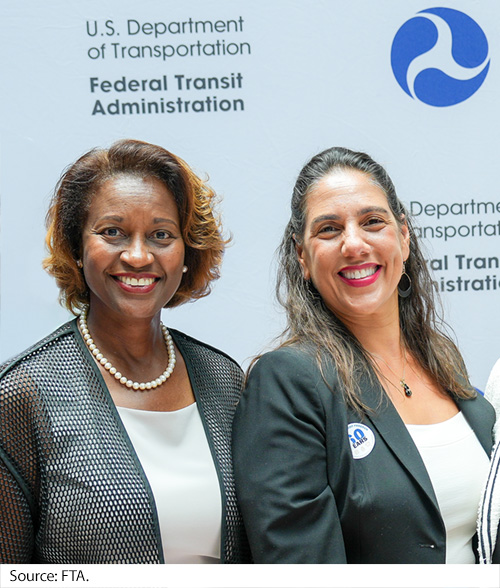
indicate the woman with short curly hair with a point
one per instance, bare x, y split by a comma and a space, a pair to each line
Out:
114, 430
70, 205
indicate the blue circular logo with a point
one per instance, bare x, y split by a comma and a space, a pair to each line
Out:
440, 56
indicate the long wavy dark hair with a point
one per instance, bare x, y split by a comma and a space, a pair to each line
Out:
310, 322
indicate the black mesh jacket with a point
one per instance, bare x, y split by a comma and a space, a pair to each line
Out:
72, 489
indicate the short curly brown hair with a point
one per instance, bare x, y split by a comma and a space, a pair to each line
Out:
72, 198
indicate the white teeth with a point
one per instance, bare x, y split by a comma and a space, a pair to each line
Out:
136, 282
357, 274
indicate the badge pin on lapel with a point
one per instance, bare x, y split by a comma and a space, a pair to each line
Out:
362, 440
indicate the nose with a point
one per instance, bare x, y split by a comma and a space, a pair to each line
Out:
137, 253
354, 244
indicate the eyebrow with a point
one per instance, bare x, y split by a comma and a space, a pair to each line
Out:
160, 220
366, 210
118, 219
111, 217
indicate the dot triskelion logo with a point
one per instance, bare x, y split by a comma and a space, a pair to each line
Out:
440, 56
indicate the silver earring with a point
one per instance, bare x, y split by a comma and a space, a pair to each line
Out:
79, 263
184, 269
404, 286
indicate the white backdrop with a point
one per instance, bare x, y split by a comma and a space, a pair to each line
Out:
303, 75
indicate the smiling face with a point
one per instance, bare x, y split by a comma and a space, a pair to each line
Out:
133, 251
353, 248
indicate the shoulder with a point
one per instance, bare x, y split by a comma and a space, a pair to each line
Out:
288, 354
286, 393
291, 376
31, 375
213, 373
492, 391
191, 346
484, 407
26, 383
33, 353
292, 363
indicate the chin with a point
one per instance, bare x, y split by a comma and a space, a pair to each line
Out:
138, 311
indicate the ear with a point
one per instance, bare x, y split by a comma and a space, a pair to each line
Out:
300, 256
405, 238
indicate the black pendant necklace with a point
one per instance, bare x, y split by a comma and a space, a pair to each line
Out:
406, 388
407, 391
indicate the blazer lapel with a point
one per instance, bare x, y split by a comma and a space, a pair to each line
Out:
393, 431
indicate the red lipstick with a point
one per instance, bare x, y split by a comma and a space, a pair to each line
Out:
360, 276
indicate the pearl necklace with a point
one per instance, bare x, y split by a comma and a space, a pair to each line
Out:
99, 357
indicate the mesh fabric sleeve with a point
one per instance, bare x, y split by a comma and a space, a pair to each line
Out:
19, 478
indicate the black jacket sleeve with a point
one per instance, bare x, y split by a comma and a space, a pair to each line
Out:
280, 460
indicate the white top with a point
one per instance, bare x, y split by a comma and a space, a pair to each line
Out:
174, 453
457, 466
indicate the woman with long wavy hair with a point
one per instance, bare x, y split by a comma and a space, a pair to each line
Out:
359, 439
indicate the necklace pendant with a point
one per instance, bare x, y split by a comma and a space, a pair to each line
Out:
406, 388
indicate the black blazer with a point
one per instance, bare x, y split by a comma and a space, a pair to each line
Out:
303, 495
